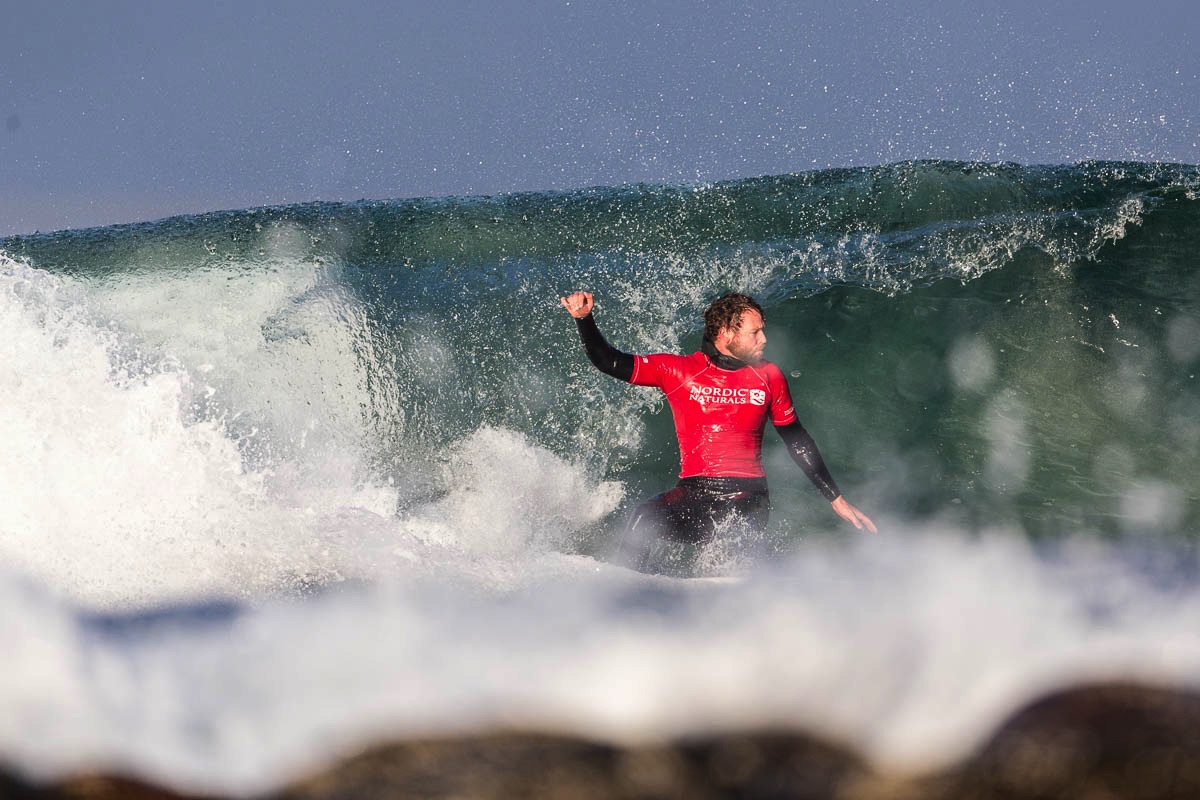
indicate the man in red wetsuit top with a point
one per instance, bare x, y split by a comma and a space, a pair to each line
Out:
720, 398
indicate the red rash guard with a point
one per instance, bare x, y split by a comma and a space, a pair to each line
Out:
719, 414
721, 436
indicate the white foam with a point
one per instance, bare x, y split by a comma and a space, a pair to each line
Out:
274, 342
119, 488
912, 645
507, 496
224, 449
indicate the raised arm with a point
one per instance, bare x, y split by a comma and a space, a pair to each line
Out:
803, 450
603, 356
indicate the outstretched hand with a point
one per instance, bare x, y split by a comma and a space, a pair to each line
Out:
579, 304
853, 515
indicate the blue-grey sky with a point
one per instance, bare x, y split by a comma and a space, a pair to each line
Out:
128, 110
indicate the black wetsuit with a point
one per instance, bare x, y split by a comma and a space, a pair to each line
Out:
692, 510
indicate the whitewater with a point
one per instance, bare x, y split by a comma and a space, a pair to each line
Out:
278, 483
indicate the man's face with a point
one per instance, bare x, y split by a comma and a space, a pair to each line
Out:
746, 340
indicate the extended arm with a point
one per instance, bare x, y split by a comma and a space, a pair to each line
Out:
603, 356
803, 450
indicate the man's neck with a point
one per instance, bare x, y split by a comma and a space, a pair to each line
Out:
722, 360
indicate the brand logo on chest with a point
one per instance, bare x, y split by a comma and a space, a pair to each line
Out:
725, 394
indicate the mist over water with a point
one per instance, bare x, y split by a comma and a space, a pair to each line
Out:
353, 453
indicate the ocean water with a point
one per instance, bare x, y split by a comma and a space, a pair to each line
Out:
276, 483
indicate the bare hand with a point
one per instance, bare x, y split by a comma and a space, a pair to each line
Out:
579, 304
853, 515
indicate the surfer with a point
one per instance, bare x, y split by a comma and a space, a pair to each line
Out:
720, 398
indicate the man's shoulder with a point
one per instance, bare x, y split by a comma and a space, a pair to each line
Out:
677, 359
654, 368
664, 358
770, 371
769, 367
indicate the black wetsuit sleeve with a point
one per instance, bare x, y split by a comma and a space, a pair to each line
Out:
604, 356
803, 450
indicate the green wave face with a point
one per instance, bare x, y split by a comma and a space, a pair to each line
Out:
978, 345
